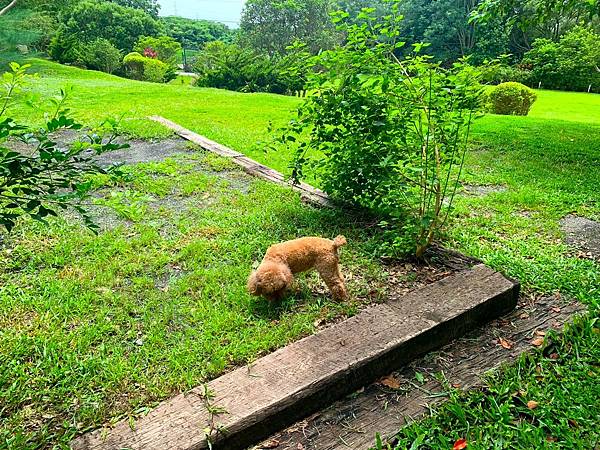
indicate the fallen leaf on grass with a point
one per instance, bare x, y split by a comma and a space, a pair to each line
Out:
532, 404
538, 342
390, 382
505, 344
460, 444
554, 356
573, 423
540, 333
270, 444
555, 309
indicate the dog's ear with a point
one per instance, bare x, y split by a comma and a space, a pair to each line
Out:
251, 285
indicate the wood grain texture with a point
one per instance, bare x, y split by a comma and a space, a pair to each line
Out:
307, 192
352, 422
297, 380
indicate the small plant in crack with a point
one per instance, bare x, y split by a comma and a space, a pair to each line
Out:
213, 429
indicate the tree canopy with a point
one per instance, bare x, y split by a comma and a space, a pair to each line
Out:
195, 33
273, 25
122, 26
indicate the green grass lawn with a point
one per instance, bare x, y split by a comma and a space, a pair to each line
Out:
89, 331
237, 120
96, 327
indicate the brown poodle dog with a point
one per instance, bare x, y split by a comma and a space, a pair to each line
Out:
275, 274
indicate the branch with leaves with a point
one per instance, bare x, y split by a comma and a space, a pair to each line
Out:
50, 177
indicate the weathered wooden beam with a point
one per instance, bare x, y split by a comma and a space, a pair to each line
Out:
308, 193
351, 423
250, 403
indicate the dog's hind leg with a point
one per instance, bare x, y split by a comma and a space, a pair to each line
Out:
329, 270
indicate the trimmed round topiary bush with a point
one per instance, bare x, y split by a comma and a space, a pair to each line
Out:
139, 67
512, 99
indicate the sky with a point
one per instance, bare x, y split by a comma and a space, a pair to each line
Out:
226, 11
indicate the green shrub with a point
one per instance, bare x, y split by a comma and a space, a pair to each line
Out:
230, 66
102, 55
512, 99
503, 73
155, 70
66, 48
139, 67
570, 64
134, 65
166, 48
385, 134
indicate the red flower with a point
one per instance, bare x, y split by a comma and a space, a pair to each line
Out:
150, 53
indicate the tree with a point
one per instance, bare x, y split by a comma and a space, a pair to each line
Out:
102, 55
122, 26
444, 24
539, 18
150, 7
572, 63
195, 33
272, 25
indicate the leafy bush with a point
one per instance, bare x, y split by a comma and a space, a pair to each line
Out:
512, 99
142, 68
570, 64
134, 65
102, 55
166, 48
386, 134
39, 182
229, 66
66, 48
499, 72
155, 71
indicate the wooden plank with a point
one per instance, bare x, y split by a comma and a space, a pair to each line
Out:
353, 421
297, 380
308, 192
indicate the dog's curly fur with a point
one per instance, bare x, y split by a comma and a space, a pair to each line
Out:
275, 274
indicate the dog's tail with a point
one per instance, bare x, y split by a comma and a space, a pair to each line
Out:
339, 242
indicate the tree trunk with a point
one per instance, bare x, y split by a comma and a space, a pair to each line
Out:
8, 7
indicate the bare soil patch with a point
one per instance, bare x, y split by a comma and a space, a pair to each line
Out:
582, 233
